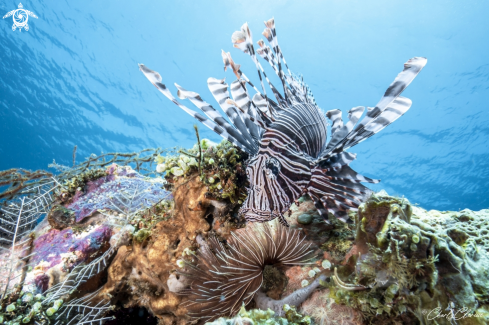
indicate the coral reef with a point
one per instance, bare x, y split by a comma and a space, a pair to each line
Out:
323, 310
227, 275
139, 273
73, 244
265, 317
117, 243
412, 262
220, 167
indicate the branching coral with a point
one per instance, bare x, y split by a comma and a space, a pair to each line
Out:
18, 179
227, 275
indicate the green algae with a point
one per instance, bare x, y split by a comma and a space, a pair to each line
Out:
220, 167
79, 181
27, 308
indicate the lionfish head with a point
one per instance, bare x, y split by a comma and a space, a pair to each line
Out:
267, 198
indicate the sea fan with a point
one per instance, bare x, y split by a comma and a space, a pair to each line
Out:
125, 205
17, 220
84, 310
227, 276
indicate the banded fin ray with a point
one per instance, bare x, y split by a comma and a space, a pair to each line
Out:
241, 119
213, 114
155, 78
390, 103
340, 131
395, 110
219, 89
243, 102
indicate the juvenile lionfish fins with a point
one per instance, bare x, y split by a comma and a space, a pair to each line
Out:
243, 102
390, 108
155, 78
239, 133
338, 190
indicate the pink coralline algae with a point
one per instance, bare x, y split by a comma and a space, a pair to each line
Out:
110, 191
51, 246
120, 193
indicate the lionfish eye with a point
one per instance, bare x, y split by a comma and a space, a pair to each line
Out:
273, 165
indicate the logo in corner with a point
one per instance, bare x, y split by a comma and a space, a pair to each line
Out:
20, 17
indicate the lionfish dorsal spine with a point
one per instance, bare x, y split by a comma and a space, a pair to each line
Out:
155, 78
240, 133
390, 107
286, 137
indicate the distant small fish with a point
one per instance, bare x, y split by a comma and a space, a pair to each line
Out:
286, 138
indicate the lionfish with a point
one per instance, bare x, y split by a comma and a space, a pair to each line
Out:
286, 138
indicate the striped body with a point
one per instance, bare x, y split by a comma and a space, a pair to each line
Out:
281, 170
286, 137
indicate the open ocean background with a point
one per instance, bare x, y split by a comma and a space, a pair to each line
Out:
73, 79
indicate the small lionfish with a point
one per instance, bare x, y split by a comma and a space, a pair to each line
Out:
286, 138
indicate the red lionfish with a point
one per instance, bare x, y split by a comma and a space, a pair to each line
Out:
286, 138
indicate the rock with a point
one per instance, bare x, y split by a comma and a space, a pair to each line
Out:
304, 219
143, 274
60, 217
411, 259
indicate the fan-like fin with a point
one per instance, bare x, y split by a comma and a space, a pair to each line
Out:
374, 120
243, 40
155, 78
261, 105
395, 110
338, 190
336, 120
243, 101
411, 69
266, 53
240, 119
271, 35
340, 131
213, 114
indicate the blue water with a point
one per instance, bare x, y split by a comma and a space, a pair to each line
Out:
73, 79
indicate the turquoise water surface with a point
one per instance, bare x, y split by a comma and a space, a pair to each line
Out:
73, 79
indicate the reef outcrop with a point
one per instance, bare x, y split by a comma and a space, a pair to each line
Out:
416, 266
115, 238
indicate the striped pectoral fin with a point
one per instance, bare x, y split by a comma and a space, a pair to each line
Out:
155, 78
323, 212
411, 69
282, 220
339, 190
376, 119
395, 110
